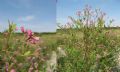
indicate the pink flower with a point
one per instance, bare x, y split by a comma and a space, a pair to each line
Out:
37, 38
29, 32
78, 13
6, 67
30, 69
12, 70
33, 40
16, 28
22, 29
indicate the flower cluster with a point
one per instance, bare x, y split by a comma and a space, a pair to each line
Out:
31, 38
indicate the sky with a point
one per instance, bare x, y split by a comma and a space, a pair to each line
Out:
67, 8
37, 15
43, 15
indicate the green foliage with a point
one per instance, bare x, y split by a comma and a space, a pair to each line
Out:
16, 53
94, 50
89, 45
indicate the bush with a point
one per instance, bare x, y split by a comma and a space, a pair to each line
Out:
89, 46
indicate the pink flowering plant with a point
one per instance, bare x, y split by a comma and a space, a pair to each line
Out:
30, 37
21, 54
87, 43
90, 43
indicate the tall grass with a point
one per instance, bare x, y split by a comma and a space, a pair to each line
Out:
90, 47
85, 44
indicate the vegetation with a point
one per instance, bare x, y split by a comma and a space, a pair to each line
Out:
84, 45
91, 46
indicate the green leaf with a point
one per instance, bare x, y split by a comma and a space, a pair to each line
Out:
13, 26
27, 53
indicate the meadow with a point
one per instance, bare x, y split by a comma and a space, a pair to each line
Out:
72, 61
85, 44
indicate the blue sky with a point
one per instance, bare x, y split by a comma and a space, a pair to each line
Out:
42, 15
38, 15
67, 8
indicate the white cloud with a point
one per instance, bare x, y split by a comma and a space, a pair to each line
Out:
26, 18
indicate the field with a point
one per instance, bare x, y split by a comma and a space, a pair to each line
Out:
86, 44
72, 61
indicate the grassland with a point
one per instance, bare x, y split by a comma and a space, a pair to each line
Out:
72, 42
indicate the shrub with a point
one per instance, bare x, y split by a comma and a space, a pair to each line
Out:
22, 54
89, 47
